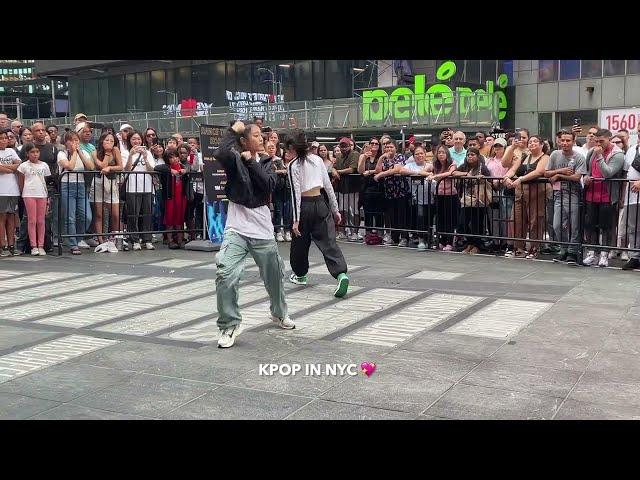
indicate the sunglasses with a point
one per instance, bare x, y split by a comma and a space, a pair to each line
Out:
618, 142
374, 143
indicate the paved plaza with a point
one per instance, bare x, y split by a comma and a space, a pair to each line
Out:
133, 335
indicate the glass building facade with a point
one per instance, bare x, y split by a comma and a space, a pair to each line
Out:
136, 89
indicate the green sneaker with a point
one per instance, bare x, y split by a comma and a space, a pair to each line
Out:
298, 280
343, 285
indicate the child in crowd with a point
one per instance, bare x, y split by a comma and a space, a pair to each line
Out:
34, 193
174, 193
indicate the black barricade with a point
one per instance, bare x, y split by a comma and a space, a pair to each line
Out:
125, 206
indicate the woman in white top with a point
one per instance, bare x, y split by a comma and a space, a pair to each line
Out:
73, 195
313, 218
139, 191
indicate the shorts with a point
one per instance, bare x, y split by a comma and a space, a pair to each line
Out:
104, 190
9, 204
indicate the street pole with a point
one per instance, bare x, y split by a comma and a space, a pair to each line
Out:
53, 99
175, 104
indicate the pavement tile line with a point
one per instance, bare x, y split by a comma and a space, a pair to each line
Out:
48, 353
214, 315
46, 282
102, 302
403, 325
75, 291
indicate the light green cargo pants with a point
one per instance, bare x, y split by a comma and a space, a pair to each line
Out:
230, 264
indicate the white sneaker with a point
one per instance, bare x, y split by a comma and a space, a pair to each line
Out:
228, 336
42, 251
386, 238
624, 256
604, 259
612, 254
353, 237
590, 258
403, 242
422, 245
149, 246
389, 242
287, 236
279, 237
35, 251
341, 236
136, 246
285, 322
83, 244
111, 247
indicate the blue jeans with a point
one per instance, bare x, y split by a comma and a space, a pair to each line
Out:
282, 211
76, 212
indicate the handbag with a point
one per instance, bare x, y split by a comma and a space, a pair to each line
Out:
125, 178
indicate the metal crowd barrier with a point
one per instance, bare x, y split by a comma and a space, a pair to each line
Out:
480, 210
91, 204
484, 209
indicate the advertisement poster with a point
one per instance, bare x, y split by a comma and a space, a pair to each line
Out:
214, 181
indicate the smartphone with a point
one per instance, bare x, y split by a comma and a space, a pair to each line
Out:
576, 122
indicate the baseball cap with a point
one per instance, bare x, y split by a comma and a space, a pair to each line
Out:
315, 144
346, 140
500, 141
124, 126
80, 126
79, 116
412, 140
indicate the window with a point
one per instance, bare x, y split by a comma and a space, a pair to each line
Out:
116, 94
569, 69
243, 77
548, 70
318, 79
544, 125
591, 68
217, 84
613, 67
588, 118
304, 82
103, 95
471, 73
130, 91
231, 76
143, 91
200, 82
489, 71
633, 67
157, 83
183, 83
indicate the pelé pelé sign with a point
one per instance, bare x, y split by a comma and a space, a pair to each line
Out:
438, 99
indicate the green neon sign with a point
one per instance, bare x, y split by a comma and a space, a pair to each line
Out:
436, 100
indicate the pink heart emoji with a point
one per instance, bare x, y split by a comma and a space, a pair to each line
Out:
368, 368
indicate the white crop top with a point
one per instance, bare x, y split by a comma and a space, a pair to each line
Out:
306, 175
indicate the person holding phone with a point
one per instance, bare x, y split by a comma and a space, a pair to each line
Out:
139, 191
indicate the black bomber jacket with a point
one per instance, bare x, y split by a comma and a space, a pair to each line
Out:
249, 182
